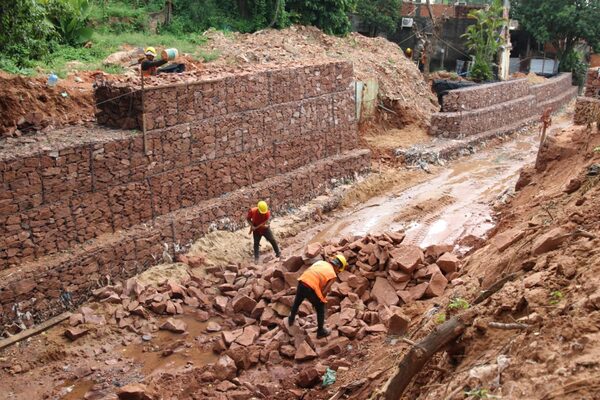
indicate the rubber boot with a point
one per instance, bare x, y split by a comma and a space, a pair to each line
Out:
323, 332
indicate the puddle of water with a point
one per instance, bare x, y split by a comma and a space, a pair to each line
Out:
76, 390
185, 348
473, 183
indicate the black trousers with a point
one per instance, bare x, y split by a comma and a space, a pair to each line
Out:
305, 292
171, 68
268, 234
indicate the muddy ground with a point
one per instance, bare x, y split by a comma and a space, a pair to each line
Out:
470, 203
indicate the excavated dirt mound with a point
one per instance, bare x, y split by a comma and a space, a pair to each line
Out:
401, 85
538, 336
28, 104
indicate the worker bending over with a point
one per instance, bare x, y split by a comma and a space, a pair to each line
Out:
150, 66
258, 218
313, 285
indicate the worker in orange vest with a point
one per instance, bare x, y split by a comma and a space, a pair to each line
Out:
313, 285
258, 218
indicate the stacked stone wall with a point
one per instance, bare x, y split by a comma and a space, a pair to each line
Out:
482, 96
587, 111
53, 199
79, 204
592, 83
491, 107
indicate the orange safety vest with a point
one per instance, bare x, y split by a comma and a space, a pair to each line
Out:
317, 276
150, 71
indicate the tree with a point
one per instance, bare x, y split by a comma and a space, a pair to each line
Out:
484, 39
24, 31
379, 15
564, 23
329, 15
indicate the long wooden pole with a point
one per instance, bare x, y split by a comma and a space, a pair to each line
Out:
144, 114
34, 331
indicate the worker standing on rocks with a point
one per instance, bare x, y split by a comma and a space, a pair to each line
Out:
258, 218
313, 285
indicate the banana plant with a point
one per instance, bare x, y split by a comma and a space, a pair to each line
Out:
71, 20
483, 39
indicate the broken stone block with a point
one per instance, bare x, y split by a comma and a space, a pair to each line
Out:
334, 346
304, 352
398, 323
437, 285
76, 319
308, 377
243, 304
94, 319
248, 336
281, 309
378, 328
225, 368
433, 252
505, 239
221, 303
136, 391
346, 316
258, 309
212, 326
448, 263
287, 351
406, 257
427, 272
418, 291
293, 264
291, 278
384, 293
173, 325
399, 276
348, 331
230, 336
549, 241
312, 250
75, 333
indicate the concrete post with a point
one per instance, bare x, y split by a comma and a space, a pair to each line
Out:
504, 53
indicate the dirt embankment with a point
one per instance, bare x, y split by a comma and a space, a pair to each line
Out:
30, 105
401, 86
548, 237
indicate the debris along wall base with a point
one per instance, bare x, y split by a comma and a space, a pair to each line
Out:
482, 108
82, 203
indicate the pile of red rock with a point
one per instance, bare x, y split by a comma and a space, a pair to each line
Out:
254, 301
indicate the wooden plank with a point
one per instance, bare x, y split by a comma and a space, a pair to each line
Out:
34, 331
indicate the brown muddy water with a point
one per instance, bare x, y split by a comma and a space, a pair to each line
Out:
455, 203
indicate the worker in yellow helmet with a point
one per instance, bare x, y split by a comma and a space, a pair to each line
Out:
258, 217
150, 66
313, 285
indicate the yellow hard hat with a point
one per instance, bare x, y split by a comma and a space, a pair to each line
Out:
150, 51
340, 257
263, 208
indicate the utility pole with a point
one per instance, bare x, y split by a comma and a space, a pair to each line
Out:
504, 52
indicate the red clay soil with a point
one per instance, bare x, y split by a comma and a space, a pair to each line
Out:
28, 104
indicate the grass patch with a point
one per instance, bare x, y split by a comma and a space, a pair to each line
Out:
66, 58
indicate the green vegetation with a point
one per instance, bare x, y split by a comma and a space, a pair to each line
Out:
458, 303
484, 39
555, 297
564, 23
440, 318
379, 15
60, 35
597, 149
480, 393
